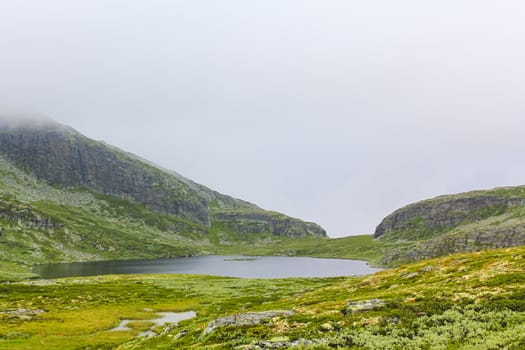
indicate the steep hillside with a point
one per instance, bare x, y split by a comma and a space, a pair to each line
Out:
66, 197
455, 223
61, 156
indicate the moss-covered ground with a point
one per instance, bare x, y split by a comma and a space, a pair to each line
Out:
465, 301
362, 247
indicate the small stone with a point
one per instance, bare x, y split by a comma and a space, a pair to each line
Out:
151, 335
364, 305
327, 327
181, 334
393, 320
304, 342
428, 268
25, 318
411, 275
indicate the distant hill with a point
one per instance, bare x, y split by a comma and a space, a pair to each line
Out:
64, 196
463, 222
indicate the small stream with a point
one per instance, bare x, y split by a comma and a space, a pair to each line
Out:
164, 319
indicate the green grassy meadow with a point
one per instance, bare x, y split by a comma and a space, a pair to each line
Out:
463, 301
362, 247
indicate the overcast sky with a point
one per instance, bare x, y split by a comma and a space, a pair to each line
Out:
333, 111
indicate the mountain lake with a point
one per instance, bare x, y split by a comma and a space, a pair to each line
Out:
231, 266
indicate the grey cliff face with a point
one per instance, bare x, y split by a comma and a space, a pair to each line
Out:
261, 221
64, 157
436, 214
459, 223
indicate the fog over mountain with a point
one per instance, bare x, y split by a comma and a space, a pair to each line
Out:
332, 111
16, 118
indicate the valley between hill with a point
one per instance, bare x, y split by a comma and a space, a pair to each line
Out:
456, 281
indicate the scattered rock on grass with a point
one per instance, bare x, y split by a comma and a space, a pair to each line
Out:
364, 305
247, 319
22, 314
269, 344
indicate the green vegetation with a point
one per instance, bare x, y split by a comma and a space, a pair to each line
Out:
363, 247
54, 210
41, 223
505, 192
465, 301
462, 301
58, 155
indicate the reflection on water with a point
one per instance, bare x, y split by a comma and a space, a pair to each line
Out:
233, 266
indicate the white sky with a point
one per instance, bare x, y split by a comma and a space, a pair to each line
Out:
333, 111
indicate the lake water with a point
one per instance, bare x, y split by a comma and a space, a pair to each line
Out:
232, 266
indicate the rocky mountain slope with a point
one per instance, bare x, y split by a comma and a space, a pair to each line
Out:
464, 222
87, 199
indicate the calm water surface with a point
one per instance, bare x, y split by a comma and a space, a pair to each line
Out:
233, 266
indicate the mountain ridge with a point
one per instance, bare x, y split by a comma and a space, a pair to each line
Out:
62, 156
65, 197
463, 222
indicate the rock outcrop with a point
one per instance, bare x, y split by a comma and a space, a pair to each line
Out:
258, 221
63, 157
362, 306
445, 212
19, 213
21, 314
247, 319
464, 222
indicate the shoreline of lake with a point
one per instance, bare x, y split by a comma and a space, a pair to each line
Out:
215, 265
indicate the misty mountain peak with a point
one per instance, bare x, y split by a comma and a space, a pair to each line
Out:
29, 121
59, 155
